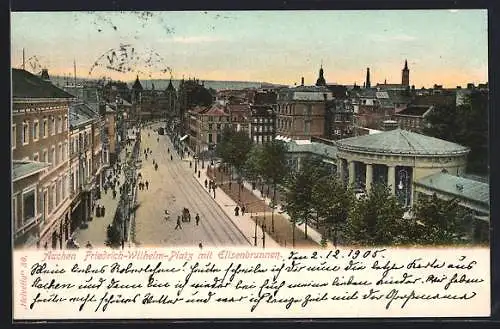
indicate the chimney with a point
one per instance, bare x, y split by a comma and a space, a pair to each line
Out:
302, 81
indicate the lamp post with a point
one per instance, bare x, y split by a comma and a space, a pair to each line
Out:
403, 185
255, 232
263, 234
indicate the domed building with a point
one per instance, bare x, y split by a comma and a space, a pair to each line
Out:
397, 158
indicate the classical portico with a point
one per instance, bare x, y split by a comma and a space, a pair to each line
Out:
396, 158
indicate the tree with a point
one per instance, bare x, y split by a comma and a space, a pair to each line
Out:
472, 130
298, 195
438, 222
375, 219
465, 124
252, 168
332, 202
234, 149
441, 122
273, 167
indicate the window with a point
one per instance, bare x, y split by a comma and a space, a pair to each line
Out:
13, 139
53, 197
65, 149
59, 159
210, 118
58, 192
35, 157
218, 126
210, 126
53, 126
36, 131
210, 138
29, 204
26, 133
45, 128
53, 159
59, 125
14, 211
45, 156
64, 187
65, 123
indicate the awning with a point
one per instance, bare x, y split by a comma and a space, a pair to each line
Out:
184, 137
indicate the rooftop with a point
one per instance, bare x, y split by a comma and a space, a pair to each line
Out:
80, 114
415, 110
399, 141
458, 186
26, 168
27, 85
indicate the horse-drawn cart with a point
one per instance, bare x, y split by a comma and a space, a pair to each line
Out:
186, 216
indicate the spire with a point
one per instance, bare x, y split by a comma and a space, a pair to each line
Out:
321, 79
406, 64
367, 83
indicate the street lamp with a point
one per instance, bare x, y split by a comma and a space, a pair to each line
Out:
403, 185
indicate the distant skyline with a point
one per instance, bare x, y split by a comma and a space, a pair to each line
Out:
448, 47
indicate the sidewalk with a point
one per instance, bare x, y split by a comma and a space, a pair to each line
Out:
311, 232
96, 231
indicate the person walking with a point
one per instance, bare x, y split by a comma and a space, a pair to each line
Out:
171, 157
178, 223
147, 185
206, 183
236, 211
197, 218
200, 245
243, 210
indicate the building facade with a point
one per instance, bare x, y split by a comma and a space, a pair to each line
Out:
40, 133
301, 111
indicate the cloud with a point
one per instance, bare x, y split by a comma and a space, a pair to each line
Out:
196, 39
394, 37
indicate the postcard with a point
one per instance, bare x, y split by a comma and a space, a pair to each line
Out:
250, 164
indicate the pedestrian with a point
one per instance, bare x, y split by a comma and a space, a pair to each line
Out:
190, 164
147, 185
243, 210
197, 218
178, 223
168, 150
236, 211
199, 173
88, 245
200, 245
114, 194
230, 183
171, 158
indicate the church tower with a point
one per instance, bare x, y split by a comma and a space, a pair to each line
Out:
405, 80
367, 83
321, 79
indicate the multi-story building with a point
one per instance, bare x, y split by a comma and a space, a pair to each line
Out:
81, 120
339, 119
301, 111
40, 133
240, 115
206, 126
412, 117
262, 121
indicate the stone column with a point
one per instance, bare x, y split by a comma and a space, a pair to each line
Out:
352, 173
391, 177
369, 176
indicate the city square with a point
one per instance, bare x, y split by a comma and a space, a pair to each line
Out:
133, 146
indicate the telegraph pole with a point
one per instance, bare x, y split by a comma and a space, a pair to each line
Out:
24, 61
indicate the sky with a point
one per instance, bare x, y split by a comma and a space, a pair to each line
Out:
448, 47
